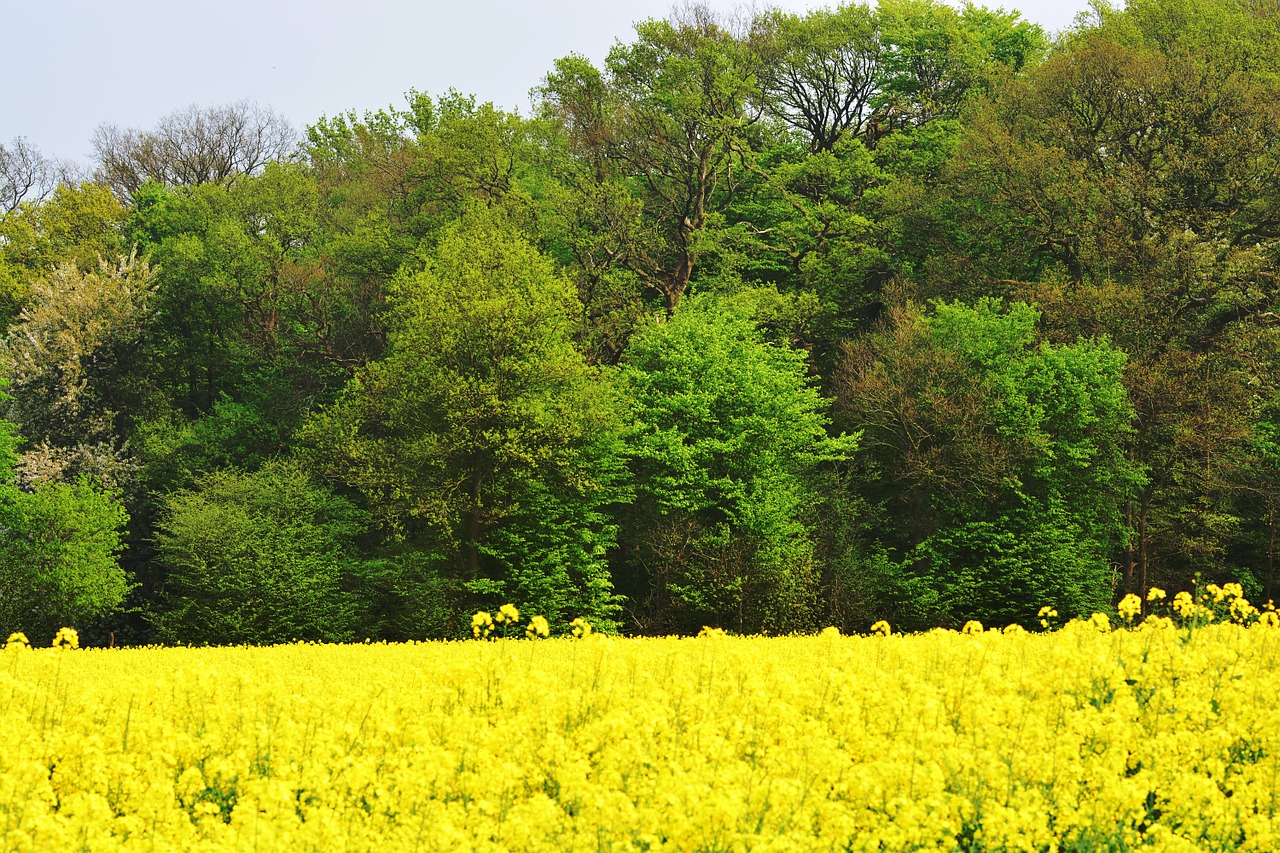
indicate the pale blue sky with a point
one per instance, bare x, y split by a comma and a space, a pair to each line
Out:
67, 66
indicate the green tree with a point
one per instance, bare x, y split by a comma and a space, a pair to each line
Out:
1120, 186
823, 71
726, 434
257, 557
59, 551
482, 436
1001, 465
77, 224
661, 125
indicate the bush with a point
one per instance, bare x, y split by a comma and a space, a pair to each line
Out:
256, 558
59, 556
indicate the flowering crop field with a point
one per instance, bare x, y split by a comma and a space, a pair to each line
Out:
1077, 740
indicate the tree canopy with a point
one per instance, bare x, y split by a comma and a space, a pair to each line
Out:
764, 321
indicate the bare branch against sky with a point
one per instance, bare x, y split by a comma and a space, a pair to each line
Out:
131, 62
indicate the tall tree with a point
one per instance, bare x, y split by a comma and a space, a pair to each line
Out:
823, 71
1000, 464
483, 436
662, 121
727, 432
1124, 186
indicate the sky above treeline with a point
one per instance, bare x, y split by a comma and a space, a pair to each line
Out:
67, 66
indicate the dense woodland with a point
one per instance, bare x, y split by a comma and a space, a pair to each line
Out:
769, 322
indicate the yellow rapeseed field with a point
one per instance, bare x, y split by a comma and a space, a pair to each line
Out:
1163, 738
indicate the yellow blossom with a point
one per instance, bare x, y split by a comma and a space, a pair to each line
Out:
481, 625
17, 640
1155, 594
507, 615
1048, 742
882, 628
66, 638
580, 628
973, 626
537, 627
1242, 610
1129, 606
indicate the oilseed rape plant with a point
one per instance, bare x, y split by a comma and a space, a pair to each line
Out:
1160, 733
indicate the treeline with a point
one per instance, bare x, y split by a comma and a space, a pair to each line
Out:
902, 312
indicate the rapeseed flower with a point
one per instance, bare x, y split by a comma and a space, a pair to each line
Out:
931, 742
481, 625
66, 638
537, 627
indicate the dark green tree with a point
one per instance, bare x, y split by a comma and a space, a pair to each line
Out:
660, 124
482, 436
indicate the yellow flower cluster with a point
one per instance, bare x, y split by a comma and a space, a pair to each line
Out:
1080, 739
66, 638
481, 625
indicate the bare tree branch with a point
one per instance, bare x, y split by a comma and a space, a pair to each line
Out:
25, 174
196, 145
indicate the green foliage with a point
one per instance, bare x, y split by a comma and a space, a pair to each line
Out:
660, 125
59, 551
483, 436
78, 223
726, 433
1002, 463
427, 308
66, 355
256, 558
